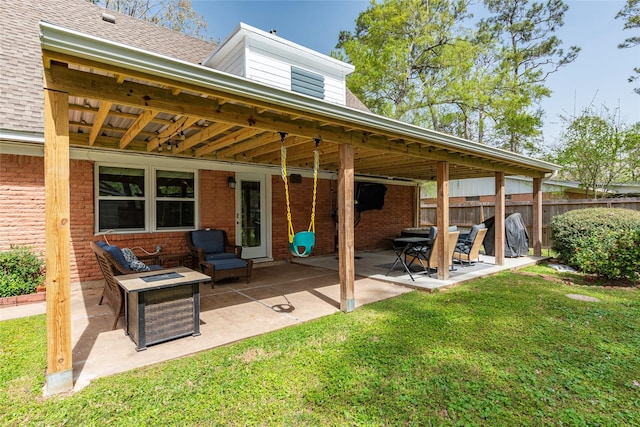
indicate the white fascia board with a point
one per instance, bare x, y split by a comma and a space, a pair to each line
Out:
62, 40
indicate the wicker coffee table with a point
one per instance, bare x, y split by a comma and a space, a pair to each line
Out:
162, 305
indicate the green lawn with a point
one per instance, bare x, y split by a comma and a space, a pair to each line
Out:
509, 350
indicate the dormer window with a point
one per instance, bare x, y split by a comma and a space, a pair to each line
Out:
307, 83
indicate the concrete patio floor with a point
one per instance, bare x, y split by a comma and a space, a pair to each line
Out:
376, 264
278, 296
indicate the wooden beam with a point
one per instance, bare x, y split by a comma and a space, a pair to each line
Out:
499, 223
270, 153
59, 374
250, 144
203, 135
83, 84
537, 217
101, 116
136, 127
442, 220
179, 125
346, 251
224, 141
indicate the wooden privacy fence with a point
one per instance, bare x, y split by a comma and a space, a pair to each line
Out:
469, 213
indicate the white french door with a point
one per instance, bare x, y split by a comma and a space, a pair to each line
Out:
253, 222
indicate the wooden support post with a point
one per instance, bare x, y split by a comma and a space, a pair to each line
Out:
59, 374
442, 220
499, 223
537, 217
346, 251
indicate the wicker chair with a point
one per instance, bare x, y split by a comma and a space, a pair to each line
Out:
112, 290
110, 267
433, 254
469, 250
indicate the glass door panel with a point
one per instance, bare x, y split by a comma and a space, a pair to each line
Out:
251, 215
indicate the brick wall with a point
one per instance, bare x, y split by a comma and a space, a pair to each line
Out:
301, 197
22, 202
377, 226
372, 232
22, 214
217, 202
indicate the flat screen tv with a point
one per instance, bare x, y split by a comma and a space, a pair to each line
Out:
370, 196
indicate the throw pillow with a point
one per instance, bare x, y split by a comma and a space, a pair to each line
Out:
134, 263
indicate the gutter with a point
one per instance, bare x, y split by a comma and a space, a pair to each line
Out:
74, 43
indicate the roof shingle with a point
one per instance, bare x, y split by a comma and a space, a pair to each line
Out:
21, 94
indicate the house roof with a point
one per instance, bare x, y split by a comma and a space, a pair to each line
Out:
21, 108
133, 93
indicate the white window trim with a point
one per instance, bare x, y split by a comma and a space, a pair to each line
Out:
150, 198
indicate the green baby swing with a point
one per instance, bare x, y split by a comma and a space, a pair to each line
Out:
300, 244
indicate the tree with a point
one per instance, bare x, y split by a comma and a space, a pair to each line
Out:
400, 48
177, 15
425, 62
631, 15
529, 54
598, 150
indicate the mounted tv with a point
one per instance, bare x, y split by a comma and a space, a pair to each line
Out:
370, 196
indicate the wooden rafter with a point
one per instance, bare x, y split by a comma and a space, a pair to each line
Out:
225, 141
182, 123
263, 119
202, 136
247, 145
101, 116
136, 127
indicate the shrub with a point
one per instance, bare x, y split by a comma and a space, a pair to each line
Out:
599, 241
21, 271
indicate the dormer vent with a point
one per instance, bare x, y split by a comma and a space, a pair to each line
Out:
107, 17
307, 83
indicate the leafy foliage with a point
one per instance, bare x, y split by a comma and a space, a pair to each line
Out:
631, 15
598, 149
21, 271
601, 241
429, 64
502, 351
529, 53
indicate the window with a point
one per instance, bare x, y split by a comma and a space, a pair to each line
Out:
125, 204
175, 201
307, 83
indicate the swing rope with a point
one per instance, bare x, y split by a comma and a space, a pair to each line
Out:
306, 239
283, 160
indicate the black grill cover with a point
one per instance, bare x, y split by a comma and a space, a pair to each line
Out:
516, 238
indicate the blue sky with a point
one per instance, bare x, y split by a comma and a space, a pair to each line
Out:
597, 77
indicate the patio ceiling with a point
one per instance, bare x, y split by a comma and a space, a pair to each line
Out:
127, 99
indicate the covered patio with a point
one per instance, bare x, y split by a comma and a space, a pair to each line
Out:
278, 296
227, 119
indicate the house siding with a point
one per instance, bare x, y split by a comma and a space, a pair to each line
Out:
259, 62
234, 62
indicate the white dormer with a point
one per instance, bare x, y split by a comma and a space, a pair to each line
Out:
266, 58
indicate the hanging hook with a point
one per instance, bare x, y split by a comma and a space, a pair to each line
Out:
317, 140
283, 135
